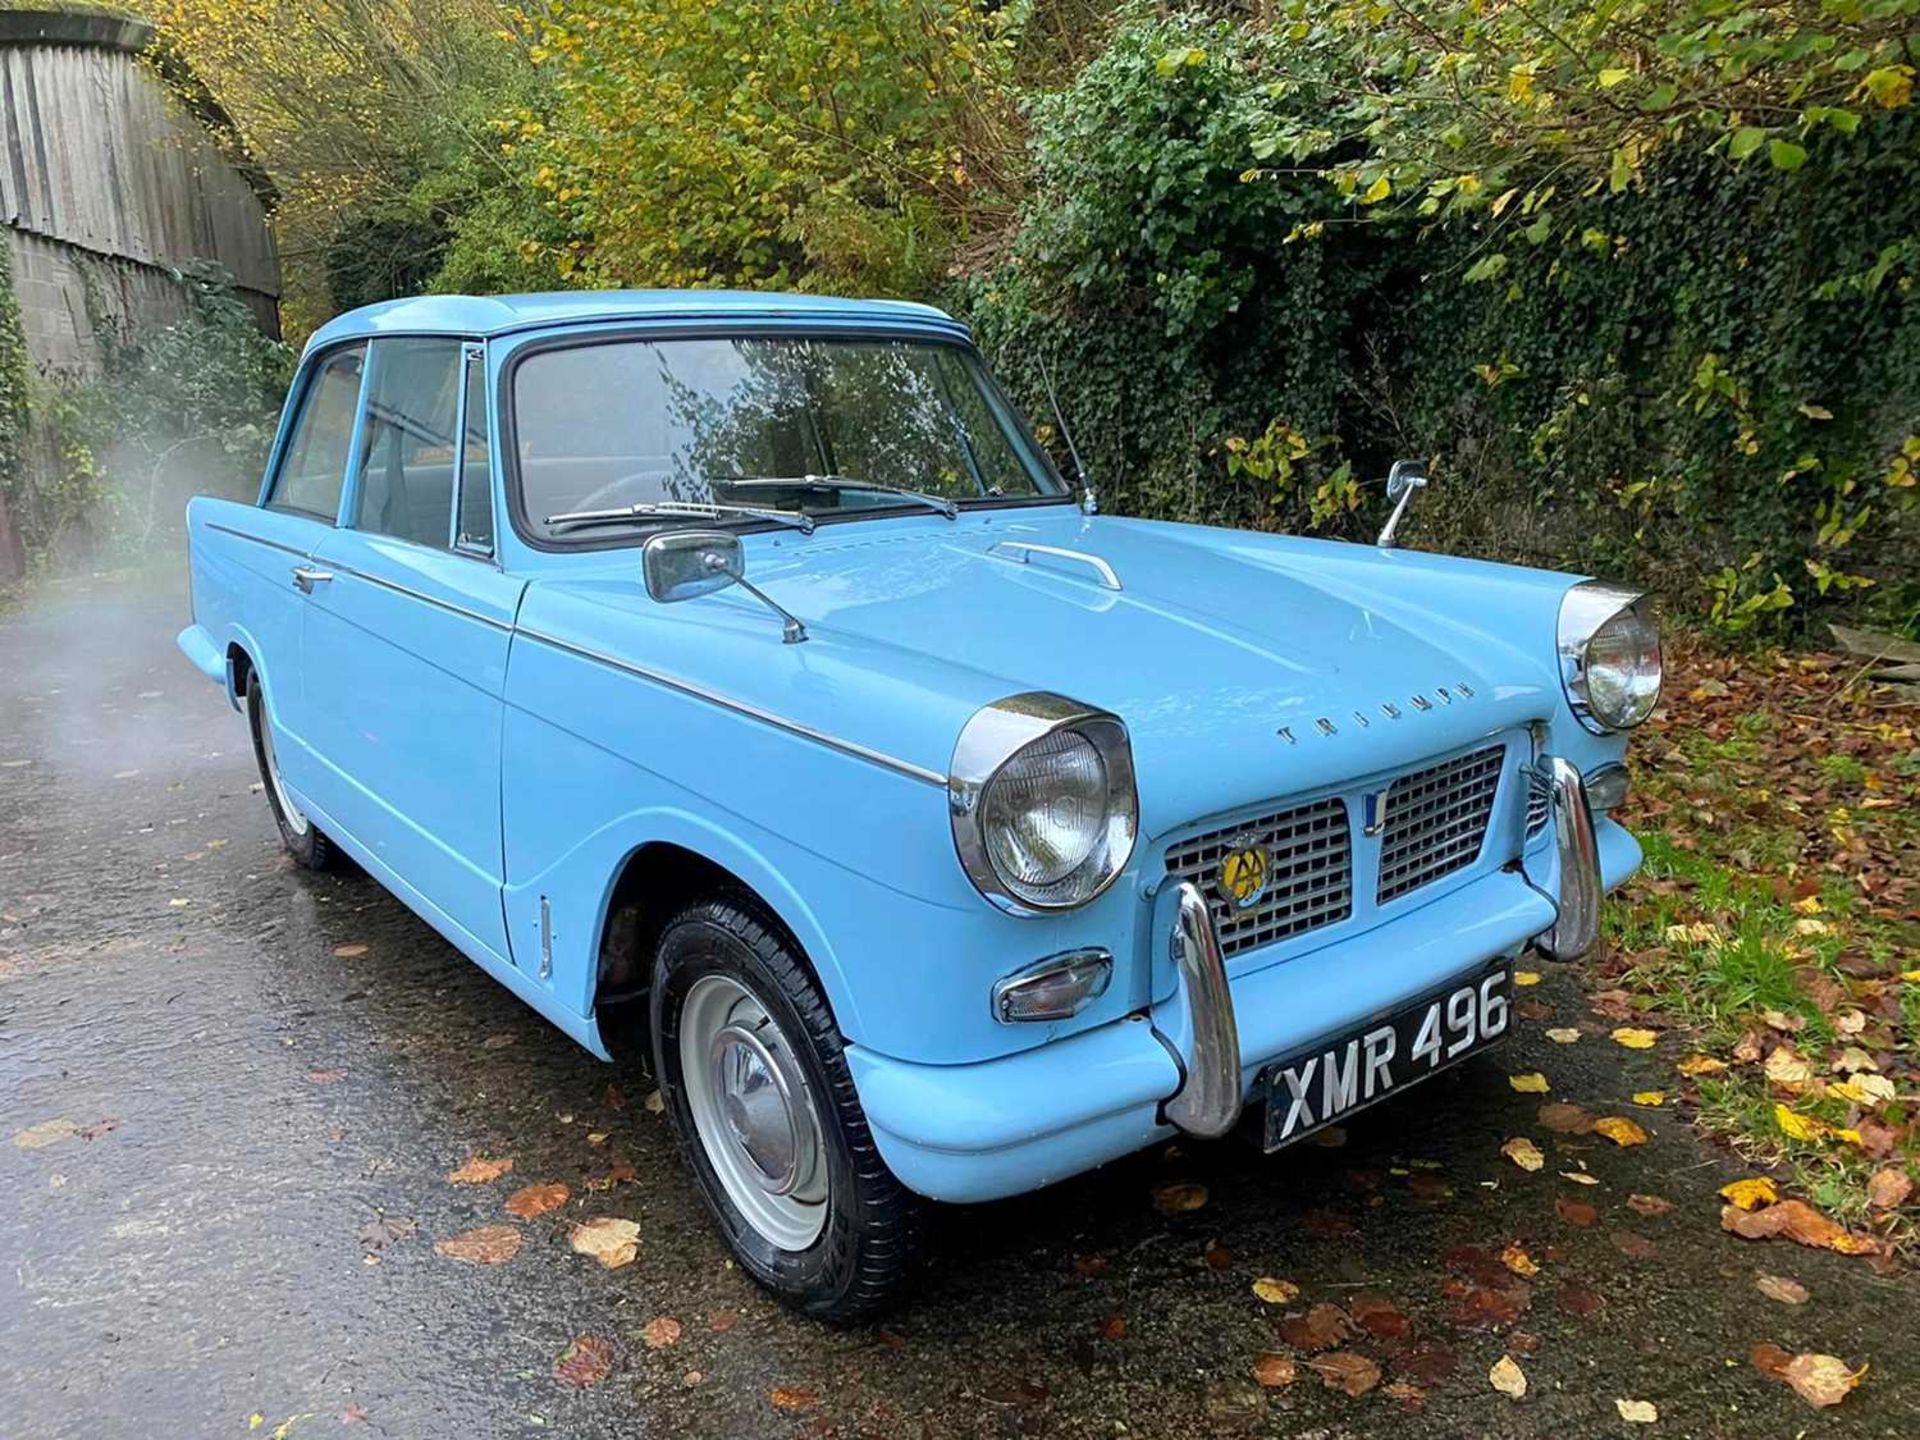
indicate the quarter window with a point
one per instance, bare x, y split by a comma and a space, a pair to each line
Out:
406, 461
476, 464
316, 458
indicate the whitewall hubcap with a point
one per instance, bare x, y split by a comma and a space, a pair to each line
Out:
296, 819
754, 1112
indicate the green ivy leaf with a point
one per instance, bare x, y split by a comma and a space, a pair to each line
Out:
1485, 269
1746, 140
1786, 155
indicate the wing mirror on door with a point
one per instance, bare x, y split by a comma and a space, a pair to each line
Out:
686, 564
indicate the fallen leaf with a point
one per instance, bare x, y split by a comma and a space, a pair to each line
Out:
1410, 1397
1799, 1222
1429, 1362
1580, 1301
1779, 1287
721, 1321
1508, 1378
385, 1229
1524, 1153
1575, 1212
792, 1397
1532, 1083
1796, 1126
660, 1332
1635, 1039
1217, 1256
1565, 1119
486, 1245
1649, 1205
1276, 1292
587, 1361
612, 1242
1889, 1188
349, 952
1655, 1098
1274, 1370
1636, 1412
1526, 977
479, 1171
1176, 1197
1620, 1130
325, 1077
1563, 1035
1517, 1260
1701, 1065
47, 1132
1321, 1328
1378, 1316
1579, 1177
1770, 1360
1752, 1193
1634, 1247
1346, 1370
1786, 1067
1822, 1380
531, 1201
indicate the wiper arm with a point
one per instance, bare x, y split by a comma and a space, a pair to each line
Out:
841, 482
677, 509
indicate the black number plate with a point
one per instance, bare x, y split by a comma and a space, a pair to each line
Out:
1337, 1078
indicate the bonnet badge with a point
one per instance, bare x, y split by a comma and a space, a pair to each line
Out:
1243, 873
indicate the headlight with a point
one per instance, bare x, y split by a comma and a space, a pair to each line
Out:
1043, 804
1609, 656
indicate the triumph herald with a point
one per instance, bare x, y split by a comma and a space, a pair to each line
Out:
736, 680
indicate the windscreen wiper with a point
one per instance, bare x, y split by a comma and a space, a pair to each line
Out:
836, 483
677, 509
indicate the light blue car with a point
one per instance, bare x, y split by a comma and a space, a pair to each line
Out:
734, 678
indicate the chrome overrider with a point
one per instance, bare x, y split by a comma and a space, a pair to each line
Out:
1200, 1027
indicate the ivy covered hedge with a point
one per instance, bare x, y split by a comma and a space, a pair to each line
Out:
1707, 377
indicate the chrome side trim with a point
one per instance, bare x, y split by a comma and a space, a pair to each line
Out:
1578, 924
1022, 553
740, 707
1208, 1101
259, 540
425, 599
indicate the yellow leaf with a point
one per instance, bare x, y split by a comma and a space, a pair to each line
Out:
1796, 1126
1620, 1130
1526, 977
1811, 905
1378, 191
1518, 1261
1635, 1039
1563, 1035
1752, 1193
1524, 1153
1276, 1292
1532, 1083
1609, 79
1508, 1378
1912, 977
1649, 1097
1700, 1065
1637, 1412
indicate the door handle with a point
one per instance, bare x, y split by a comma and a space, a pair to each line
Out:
305, 578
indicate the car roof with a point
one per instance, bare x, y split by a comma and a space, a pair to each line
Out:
485, 315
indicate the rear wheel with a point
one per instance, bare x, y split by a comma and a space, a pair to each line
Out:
298, 833
756, 1083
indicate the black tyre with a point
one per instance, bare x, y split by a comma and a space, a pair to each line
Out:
755, 1081
309, 848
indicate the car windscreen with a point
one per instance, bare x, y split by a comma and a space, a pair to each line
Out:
803, 424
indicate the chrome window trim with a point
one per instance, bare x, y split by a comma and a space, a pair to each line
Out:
992, 736
1583, 610
270, 544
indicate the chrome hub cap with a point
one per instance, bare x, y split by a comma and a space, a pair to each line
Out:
753, 1111
296, 820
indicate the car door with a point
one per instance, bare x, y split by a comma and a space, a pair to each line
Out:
256, 558
405, 641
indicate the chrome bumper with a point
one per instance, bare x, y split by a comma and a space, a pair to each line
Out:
1197, 1023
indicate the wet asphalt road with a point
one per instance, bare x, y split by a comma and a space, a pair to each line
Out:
254, 1098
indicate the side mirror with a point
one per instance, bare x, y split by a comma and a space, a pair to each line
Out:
1403, 479
685, 564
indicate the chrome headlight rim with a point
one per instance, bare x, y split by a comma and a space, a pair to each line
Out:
993, 738
1584, 611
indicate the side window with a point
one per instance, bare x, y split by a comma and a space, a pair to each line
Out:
476, 464
405, 465
316, 459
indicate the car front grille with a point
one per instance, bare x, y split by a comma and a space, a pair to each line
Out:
1437, 820
1538, 803
1309, 879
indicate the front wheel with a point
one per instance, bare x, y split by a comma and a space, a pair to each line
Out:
756, 1083
310, 849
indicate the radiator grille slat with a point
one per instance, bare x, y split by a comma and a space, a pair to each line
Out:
1309, 875
1437, 820
1537, 804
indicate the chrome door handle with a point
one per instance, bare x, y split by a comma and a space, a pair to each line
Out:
305, 578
